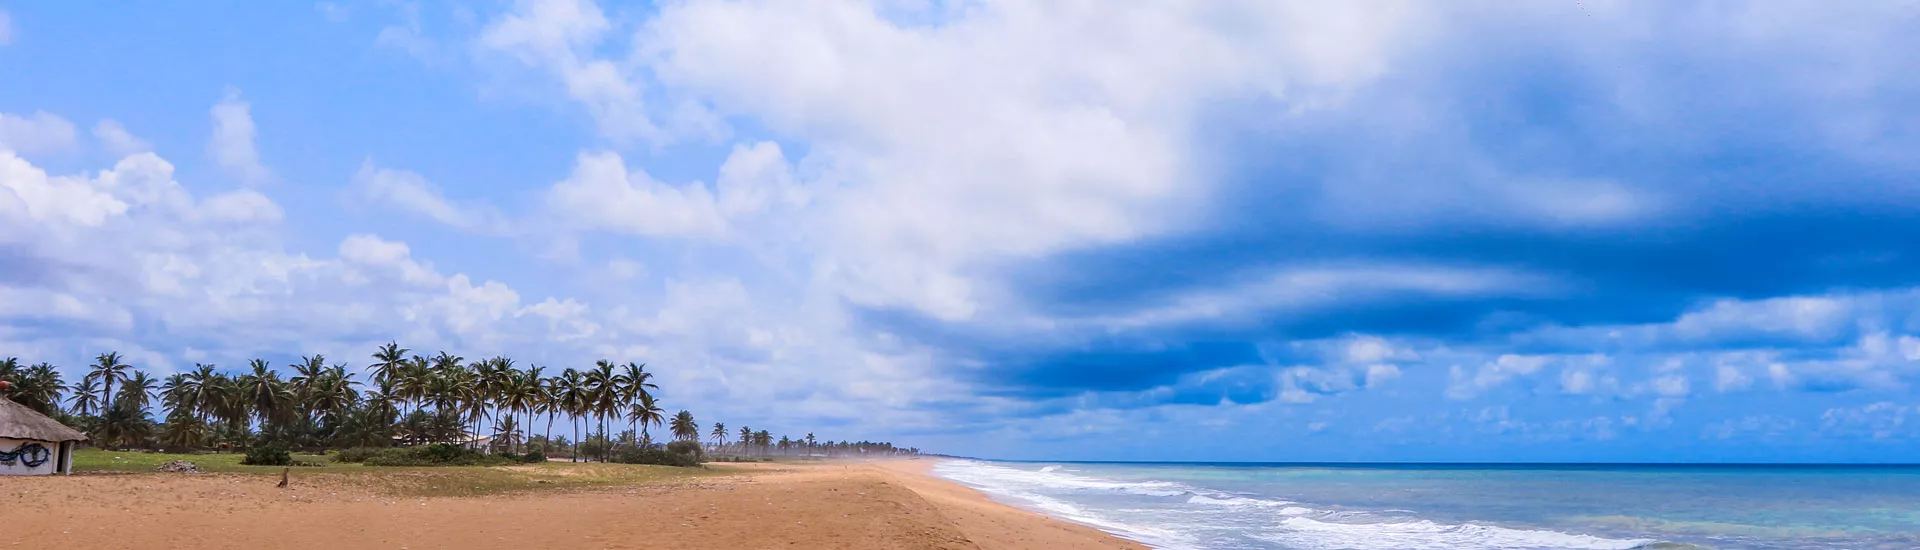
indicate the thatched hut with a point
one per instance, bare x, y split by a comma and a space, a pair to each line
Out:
32, 444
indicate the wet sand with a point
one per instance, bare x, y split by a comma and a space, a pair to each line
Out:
867, 505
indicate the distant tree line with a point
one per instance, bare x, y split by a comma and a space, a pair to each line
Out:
404, 400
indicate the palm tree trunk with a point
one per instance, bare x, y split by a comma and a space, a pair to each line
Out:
549, 432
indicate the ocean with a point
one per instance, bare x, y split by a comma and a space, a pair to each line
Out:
1447, 506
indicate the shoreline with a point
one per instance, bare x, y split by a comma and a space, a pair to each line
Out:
992, 524
841, 504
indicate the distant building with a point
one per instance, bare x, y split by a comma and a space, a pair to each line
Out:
482, 443
32, 444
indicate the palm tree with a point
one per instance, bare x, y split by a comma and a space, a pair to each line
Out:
137, 391
637, 383
518, 393
414, 381
684, 429
205, 391
534, 386
810, 441
84, 402
746, 439
306, 373
605, 391
388, 361
506, 431
123, 425
37, 387
719, 435
553, 402
645, 413
266, 395
183, 430
329, 393
108, 369
572, 396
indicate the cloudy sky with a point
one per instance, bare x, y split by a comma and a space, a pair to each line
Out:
1651, 231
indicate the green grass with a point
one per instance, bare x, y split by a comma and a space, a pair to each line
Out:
405, 481
97, 460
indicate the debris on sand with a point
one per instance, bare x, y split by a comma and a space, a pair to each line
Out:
178, 467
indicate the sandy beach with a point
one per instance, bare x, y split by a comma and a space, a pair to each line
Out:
892, 504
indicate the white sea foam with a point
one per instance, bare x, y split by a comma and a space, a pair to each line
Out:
1300, 532
980, 473
1234, 501
1026, 488
1171, 515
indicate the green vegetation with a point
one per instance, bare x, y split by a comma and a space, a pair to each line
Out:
441, 454
400, 481
100, 460
649, 455
489, 405
272, 454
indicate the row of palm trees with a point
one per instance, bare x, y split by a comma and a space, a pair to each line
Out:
410, 399
752, 442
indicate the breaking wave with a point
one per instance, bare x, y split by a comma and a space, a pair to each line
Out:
1173, 515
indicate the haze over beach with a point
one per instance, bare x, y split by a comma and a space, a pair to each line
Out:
1374, 274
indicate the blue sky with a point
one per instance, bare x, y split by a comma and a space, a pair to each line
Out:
1639, 231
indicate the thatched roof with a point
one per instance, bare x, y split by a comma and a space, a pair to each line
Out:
19, 422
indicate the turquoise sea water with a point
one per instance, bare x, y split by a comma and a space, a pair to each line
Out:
1409, 507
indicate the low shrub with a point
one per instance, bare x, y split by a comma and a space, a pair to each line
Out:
356, 454
688, 448
438, 454
534, 457
634, 455
593, 447
267, 455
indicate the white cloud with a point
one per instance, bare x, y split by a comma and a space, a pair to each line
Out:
559, 37
34, 197
1880, 420
755, 178
332, 11
1671, 386
567, 319
373, 251
1781, 375
1380, 374
118, 140
603, 194
6, 28
1305, 288
1761, 425
408, 36
1374, 349
1728, 378
242, 206
1576, 381
1806, 317
626, 270
411, 193
1032, 136
232, 146
1494, 373
38, 133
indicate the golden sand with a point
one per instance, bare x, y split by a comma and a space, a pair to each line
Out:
891, 504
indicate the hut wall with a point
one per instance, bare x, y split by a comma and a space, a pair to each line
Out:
19, 467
